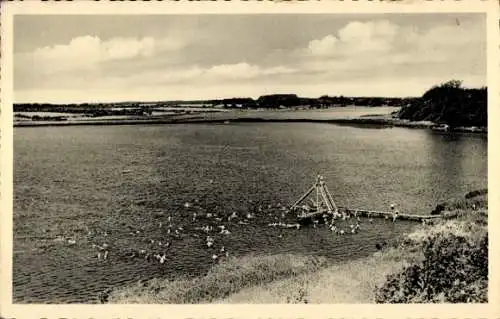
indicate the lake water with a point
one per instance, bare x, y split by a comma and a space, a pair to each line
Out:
118, 184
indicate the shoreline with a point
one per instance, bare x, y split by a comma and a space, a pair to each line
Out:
362, 120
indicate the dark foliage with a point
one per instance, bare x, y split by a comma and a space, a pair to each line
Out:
476, 193
450, 104
454, 270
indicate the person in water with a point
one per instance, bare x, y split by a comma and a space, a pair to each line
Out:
395, 216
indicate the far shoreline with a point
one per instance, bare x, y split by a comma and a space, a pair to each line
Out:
361, 120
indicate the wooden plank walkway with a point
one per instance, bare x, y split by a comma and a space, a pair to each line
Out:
370, 214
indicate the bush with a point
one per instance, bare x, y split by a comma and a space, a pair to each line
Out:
454, 270
476, 193
449, 103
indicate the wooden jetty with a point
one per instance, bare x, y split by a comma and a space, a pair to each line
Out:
383, 214
324, 207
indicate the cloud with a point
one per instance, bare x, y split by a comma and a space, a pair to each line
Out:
89, 52
356, 37
195, 75
324, 46
382, 47
243, 71
355, 52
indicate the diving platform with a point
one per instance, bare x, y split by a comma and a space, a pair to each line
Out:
317, 205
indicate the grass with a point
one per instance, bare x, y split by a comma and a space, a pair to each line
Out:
222, 280
451, 250
351, 282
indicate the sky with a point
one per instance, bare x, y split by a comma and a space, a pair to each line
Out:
106, 58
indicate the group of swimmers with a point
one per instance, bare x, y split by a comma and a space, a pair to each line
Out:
212, 230
354, 228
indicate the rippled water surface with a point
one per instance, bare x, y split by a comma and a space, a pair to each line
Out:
118, 185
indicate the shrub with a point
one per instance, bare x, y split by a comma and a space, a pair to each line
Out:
454, 269
476, 193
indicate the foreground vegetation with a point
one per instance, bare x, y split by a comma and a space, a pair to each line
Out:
443, 262
451, 258
223, 280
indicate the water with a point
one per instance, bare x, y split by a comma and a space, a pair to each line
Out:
103, 184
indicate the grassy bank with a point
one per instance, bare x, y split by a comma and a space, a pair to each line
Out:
222, 280
442, 262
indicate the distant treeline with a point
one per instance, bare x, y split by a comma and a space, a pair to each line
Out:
451, 104
272, 101
99, 109
448, 103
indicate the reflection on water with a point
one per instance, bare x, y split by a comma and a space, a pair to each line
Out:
460, 158
75, 181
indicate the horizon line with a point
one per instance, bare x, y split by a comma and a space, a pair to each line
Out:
234, 97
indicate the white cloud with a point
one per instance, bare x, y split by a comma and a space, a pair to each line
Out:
382, 47
120, 48
324, 46
368, 36
355, 38
88, 52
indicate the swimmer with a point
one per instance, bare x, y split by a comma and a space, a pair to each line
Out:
163, 259
395, 216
